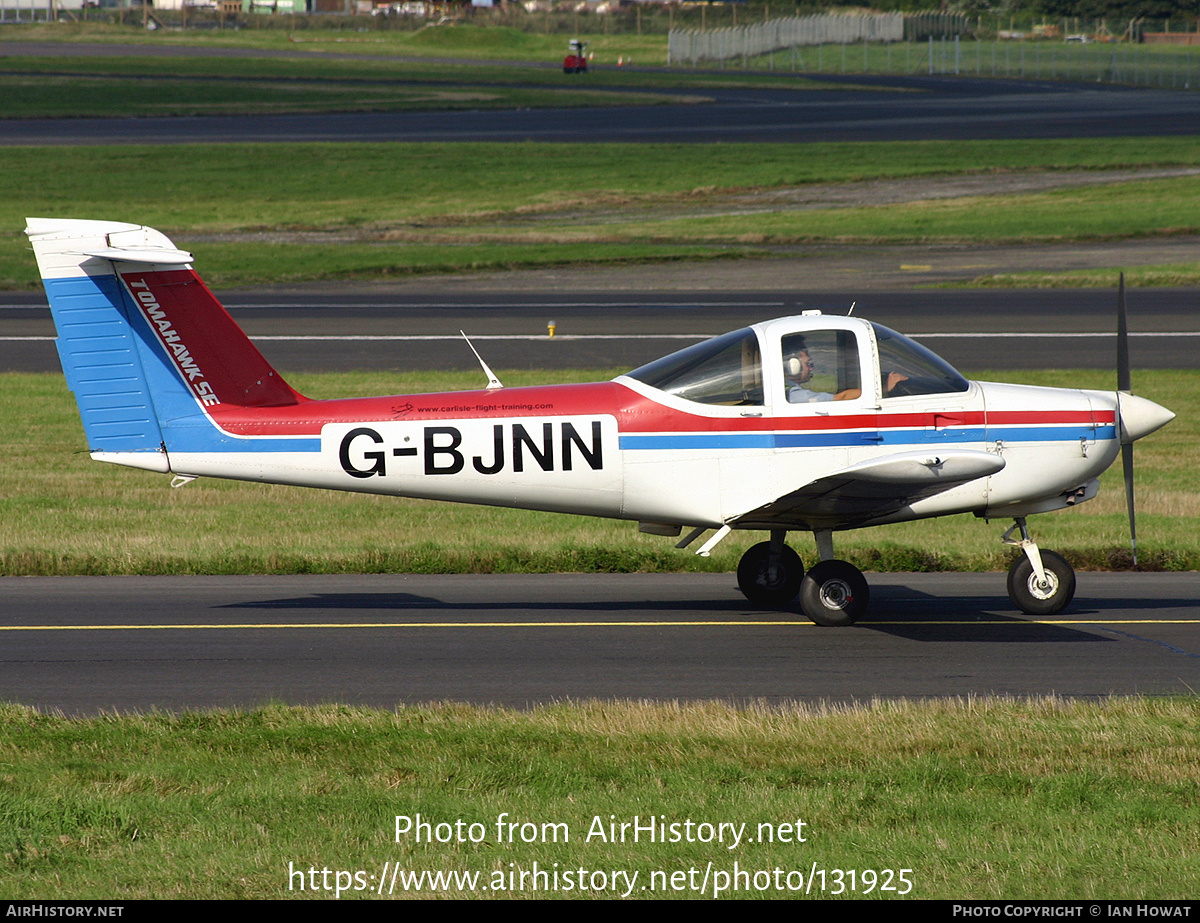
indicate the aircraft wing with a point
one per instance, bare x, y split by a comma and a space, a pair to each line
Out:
871, 489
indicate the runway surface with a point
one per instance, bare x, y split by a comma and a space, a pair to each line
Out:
888, 109
363, 327
84, 645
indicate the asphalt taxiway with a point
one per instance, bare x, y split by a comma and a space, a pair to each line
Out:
370, 327
882, 108
87, 644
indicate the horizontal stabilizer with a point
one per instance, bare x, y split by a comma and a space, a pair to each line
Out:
161, 256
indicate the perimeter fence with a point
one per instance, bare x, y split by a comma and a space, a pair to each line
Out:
807, 45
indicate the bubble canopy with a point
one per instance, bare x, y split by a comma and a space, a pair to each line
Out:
728, 370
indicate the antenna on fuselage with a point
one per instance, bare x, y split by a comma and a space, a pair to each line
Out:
852, 306
493, 381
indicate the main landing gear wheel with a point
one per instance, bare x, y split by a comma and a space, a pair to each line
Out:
1031, 597
770, 586
834, 593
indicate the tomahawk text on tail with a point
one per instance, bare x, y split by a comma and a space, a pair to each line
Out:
810, 423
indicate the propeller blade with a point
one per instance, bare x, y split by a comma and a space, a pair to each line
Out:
1124, 384
1122, 340
1127, 464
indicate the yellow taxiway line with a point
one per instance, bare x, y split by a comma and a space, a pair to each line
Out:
658, 624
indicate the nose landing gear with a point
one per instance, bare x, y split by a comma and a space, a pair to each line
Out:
1039, 582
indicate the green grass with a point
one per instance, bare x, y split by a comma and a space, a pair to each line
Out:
1129, 209
1167, 274
463, 44
985, 799
242, 265
143, 85
420, 207
60, 511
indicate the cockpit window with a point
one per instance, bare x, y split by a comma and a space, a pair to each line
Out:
821, 365
725, 370
907, 368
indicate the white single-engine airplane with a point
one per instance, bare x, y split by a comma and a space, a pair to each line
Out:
814, 423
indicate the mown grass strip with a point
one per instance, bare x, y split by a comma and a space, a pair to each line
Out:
301, 66
1167, 274
1149, 208
980, 798
236, 264
445, 206
465, 45
60, 512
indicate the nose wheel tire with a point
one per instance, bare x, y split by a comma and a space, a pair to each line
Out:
834, 594
1033, 598
769, 586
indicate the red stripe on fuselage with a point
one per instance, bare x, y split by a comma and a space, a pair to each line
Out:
1031, 417
236, 386
307, 418
634, 413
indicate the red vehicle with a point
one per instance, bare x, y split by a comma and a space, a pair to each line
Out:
576, 60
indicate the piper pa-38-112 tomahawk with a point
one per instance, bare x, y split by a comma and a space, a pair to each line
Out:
812, 423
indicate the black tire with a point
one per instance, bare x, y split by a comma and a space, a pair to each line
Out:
764, 588
1031, 599
834, 594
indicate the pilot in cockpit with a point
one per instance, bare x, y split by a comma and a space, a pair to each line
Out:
798, 370
823, 366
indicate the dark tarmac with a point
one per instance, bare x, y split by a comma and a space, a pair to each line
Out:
347, 327
89, 644
928, 107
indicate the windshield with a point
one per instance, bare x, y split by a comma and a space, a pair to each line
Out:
725, 370
907, 368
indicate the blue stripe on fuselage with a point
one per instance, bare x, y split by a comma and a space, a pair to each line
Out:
827, 439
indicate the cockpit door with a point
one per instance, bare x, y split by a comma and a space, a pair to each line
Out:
823, 392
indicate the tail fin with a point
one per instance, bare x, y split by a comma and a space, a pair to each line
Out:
151, 355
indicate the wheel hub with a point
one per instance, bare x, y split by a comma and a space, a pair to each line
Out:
836, 594
1043, 590
770, 577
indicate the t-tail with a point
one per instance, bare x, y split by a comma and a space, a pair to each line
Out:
156, 364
